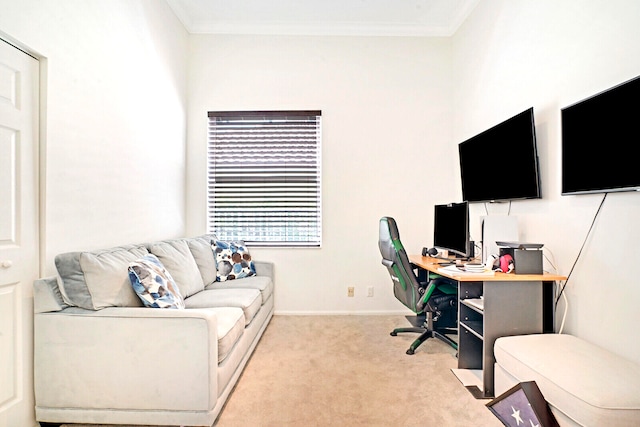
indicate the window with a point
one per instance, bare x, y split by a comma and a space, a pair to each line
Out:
264, 177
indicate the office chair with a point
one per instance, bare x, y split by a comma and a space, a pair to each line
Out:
434, 302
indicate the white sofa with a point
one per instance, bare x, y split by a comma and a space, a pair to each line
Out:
584, 384
102, 357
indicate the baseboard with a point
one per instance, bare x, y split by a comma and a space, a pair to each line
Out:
343, 313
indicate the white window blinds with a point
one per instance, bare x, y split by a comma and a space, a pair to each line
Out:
264, 177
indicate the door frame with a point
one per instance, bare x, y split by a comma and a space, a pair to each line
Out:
41, 149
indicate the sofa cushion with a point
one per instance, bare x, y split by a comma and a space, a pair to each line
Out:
233, 260
201, 250
587, 383
230, 326
249, 300
99, 279
176, 256
262, 283
154, 284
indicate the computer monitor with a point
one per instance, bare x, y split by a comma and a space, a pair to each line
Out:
451, 228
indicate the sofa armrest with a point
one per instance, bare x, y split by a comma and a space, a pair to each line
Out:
47, 295
126, 358
264, 268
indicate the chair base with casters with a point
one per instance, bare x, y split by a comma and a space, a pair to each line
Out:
422, 327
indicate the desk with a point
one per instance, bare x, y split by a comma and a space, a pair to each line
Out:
492, 306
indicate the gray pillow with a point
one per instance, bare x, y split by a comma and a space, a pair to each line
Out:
201, 250
177, 259
99, 279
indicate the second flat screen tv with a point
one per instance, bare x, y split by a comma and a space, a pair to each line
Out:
501, 163
599, 137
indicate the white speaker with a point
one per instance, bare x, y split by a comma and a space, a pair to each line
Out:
497, 228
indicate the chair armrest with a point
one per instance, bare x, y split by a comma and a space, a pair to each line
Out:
126, 357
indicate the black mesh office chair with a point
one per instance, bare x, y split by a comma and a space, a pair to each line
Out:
435, 302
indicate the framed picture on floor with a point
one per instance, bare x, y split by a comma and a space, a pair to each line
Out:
523, 406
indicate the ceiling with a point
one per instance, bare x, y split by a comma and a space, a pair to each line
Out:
324, 17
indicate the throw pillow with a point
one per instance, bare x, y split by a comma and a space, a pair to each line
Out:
153, 283
233, 260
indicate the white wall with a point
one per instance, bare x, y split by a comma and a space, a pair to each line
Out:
113, 126
386, 107
511, 55
508, 56
115, 118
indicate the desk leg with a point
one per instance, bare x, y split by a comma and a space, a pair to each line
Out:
510, 308
548, 307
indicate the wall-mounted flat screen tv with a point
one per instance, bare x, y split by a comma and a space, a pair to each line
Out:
599, 137
501, 163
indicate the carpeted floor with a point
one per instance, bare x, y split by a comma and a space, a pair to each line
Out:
348, 371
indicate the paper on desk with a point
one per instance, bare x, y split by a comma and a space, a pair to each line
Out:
452, 269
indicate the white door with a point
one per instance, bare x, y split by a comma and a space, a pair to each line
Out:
19, 237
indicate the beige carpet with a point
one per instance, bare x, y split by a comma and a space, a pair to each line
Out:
348, 371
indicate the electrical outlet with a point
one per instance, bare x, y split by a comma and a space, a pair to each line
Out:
370, 291
350, 291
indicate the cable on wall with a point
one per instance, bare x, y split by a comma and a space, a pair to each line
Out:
580, 252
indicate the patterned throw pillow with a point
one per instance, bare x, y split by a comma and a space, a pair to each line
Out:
233, 260
153, 283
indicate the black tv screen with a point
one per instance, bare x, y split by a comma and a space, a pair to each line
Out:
451, 228
599, 137
501, 163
